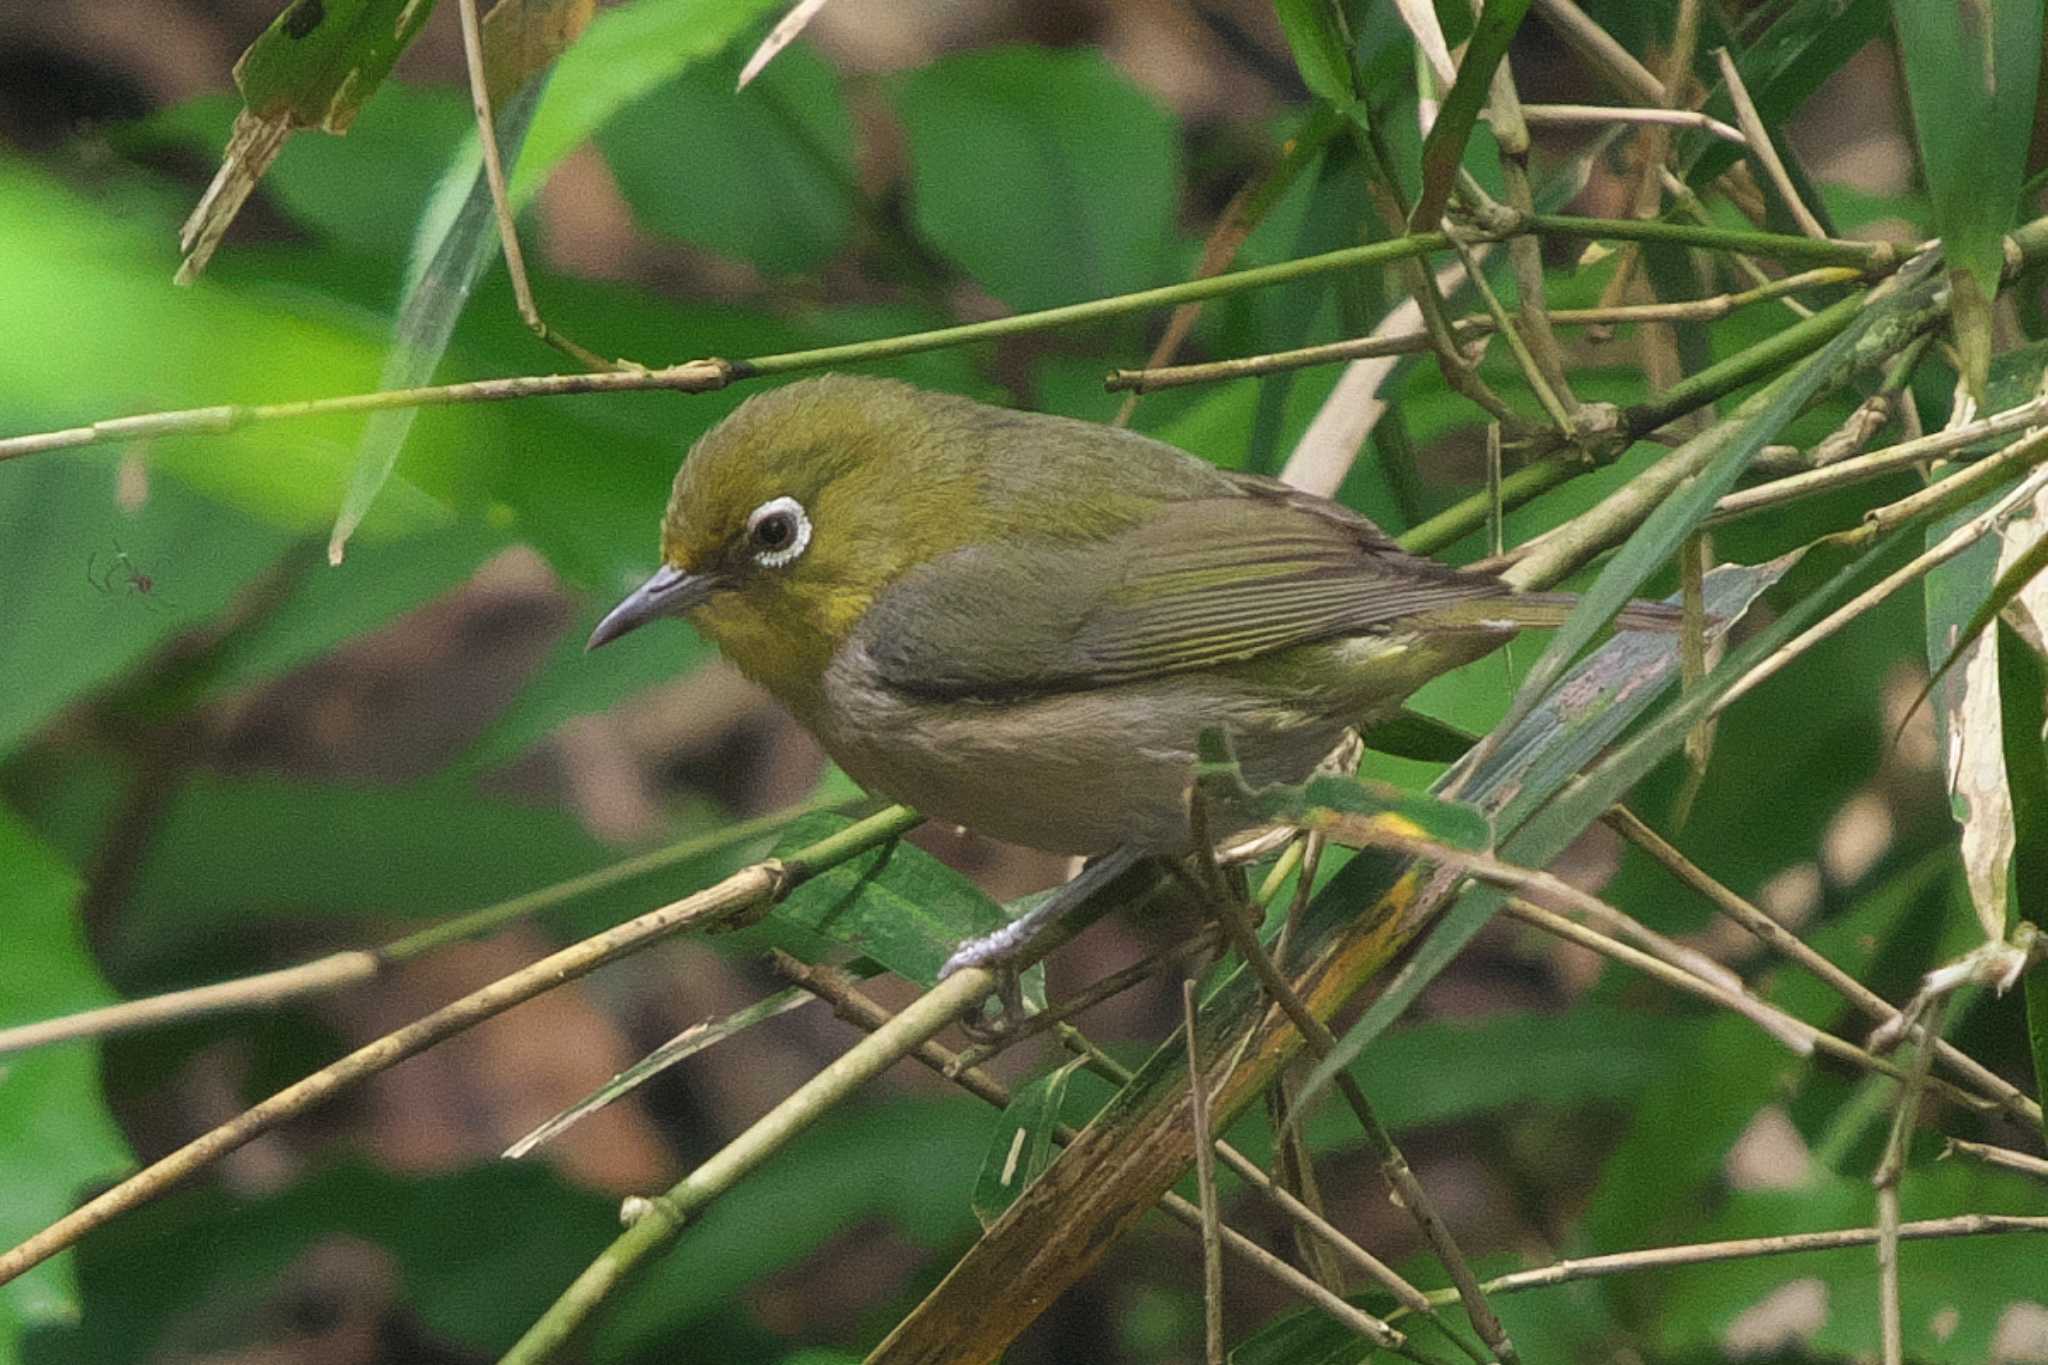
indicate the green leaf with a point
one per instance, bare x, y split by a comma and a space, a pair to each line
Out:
64, 257
896, 904
1444, 149
229, 851
72, 617
457, 238
1411, 734
1971, 70
2008, 585
624, 53
1547, 750
1315, 35
478, 1254
312, 68
1345, 808
2023, 703
1047, 175
765, 175
1656, 541
1021, 1145
325, 605
627, 52
56, 1135
321, 59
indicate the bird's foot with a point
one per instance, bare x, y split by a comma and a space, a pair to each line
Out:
1004, 952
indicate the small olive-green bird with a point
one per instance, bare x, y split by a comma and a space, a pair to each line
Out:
1022, 623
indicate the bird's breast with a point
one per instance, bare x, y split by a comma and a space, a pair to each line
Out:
1070, 772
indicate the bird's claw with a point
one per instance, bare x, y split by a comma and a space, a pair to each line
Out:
994, 953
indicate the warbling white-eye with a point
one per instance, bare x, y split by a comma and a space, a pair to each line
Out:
1023, 623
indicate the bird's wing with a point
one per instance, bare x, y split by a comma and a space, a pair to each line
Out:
1205, 581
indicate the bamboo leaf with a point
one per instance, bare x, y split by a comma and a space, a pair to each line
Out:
1411, 734
312, 68
1021, 1147
56, 1133
1335, 805
1656, 541
1599, 699
691, 1041
896, 904
2023, 699
1315, 36
625, 53
1970, 72
2004, 590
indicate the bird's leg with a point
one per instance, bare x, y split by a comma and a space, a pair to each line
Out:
1002, 950
998, 951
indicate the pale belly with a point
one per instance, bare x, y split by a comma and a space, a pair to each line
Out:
1080, 772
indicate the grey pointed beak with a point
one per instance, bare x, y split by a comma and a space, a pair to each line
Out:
670, 592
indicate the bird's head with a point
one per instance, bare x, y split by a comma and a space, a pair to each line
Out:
789, 518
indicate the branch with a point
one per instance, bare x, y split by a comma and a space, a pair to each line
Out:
757, 885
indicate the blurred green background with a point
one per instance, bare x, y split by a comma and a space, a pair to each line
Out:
218, 754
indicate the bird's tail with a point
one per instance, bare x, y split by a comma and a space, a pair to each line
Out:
1547, 610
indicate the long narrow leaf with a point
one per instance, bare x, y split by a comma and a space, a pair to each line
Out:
1599, 699
456, 241
624, 53
2023, 699
2008, 586
1658, 538
688, 1043
1970, 76
1021, 1146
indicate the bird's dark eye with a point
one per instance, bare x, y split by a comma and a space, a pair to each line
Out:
778, 531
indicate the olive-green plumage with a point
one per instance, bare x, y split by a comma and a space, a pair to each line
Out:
1023, 623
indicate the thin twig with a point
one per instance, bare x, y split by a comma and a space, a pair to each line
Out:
1598, 49
1205, 1183
705, 375
1472, 328
1782, 940
1252, 1174
1552, 399
1885, 460
1525, 254
1545, 886
1951, 545
1553, 923
1999, 1156
1762, 149
1694, 209
1234, 227
782, 35
1601, 115
1702, 1253
762, 883
494, 176
337, 971
849, 1003
660, 1219
1393, 1165
1114, 984
1886, 1178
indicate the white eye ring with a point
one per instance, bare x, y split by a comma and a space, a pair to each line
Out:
784, 512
